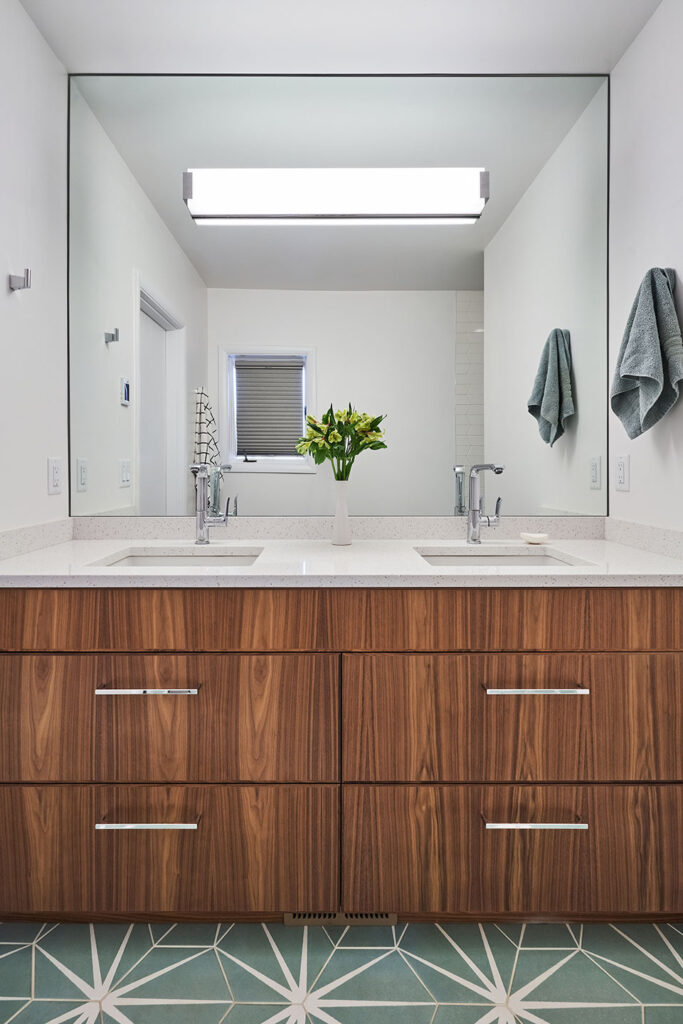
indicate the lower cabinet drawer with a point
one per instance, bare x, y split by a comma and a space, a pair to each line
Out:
212, 849
614, 849
512, 718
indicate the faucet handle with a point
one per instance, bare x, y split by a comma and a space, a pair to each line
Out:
499, 505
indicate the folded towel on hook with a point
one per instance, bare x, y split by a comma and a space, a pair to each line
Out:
552, 398
649, 366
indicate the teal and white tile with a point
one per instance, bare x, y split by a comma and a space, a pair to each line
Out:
451, 973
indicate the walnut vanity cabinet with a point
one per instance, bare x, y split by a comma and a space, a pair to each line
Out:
355, 749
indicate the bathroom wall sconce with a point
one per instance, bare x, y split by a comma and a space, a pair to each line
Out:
110, 336
336, 195
17, 283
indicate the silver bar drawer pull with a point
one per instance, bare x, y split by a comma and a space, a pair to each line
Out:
523, 825
560, 691
105, 692
124, 826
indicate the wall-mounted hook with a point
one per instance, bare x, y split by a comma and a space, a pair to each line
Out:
16, 283
110, 336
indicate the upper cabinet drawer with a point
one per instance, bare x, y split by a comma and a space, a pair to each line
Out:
168, 718
343, 619
496, 718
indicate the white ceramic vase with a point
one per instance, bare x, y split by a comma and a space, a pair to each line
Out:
341, 533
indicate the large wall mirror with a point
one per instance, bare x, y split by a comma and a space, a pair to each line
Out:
240, 325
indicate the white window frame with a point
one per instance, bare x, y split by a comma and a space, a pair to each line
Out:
227, 426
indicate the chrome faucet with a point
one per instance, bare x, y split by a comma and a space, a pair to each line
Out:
204, 520
475, 516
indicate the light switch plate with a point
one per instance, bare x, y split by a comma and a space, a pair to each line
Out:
81, 474
596, 473
55, 473
622, 473
124, 472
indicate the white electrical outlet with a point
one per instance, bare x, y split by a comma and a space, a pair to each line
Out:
55, 472
81, 474
124, 472
622, 473
596, 473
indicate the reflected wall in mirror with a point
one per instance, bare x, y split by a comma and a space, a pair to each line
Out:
438, 325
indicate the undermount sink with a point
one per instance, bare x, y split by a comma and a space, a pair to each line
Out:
502, 555
196, 558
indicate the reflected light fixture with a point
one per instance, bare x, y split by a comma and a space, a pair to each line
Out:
335, 195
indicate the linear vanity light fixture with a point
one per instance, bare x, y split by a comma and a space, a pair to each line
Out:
336, 195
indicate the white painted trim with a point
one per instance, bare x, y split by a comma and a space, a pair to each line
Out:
176, 386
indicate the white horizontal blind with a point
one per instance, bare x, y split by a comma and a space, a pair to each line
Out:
269, 399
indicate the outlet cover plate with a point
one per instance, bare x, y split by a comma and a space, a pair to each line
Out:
622, 473
55, 475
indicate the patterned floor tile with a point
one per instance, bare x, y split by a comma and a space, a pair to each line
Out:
548, 936
191, 974
663, 1015
592, 1015
416, 974
457, 963
380, 937
383, 1015
269, 962
190, 935
168, 1014
257, 1013
48, 1012
20, 931
466, 1015
9, 1007
69, 957
556, 976
15, 972
369, 975
641, 957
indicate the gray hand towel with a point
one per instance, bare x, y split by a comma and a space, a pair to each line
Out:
649, 367
552, 400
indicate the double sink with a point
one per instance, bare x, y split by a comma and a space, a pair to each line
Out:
224, 557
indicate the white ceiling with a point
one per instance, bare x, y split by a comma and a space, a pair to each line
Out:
365, 36
163, 125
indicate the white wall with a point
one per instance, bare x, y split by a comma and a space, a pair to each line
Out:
33, 411
391, 352
469, 378
545, 268
116, 238
646, 230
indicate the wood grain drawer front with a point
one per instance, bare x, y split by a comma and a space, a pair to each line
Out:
47, 708
343, 619
46, 861
213, 850
169, 718
254, 848
427, 849
255, 718
498, 718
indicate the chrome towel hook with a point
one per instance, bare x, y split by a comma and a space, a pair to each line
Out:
17, 283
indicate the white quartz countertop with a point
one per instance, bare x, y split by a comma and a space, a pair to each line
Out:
317, 563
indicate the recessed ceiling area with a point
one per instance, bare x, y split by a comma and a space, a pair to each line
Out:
163, 125
334, 36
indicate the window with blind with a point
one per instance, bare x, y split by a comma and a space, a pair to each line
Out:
269, 405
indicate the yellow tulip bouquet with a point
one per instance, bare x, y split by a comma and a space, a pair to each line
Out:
340, 437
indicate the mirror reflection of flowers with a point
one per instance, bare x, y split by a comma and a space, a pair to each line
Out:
340, 437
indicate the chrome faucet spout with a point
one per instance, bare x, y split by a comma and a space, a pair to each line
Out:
204, 521
475, 517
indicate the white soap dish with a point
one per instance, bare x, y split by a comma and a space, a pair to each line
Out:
534, 538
